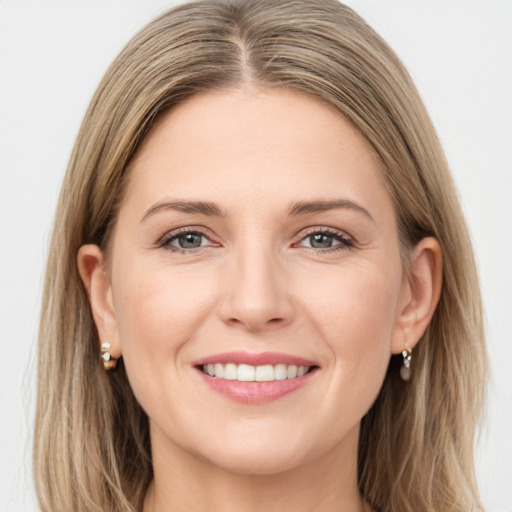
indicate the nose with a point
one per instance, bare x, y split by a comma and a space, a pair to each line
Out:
256, 291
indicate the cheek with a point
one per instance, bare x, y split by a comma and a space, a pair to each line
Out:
358, 319
158, 309
154, 298
356, 326
359, 299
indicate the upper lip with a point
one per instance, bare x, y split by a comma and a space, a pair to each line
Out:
255, 359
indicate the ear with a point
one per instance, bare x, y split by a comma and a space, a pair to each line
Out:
91, 264
419, 296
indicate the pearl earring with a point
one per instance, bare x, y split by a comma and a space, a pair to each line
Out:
405, 370
109, 362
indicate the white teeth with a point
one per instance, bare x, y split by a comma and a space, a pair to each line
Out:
264, 373
246, 373
230, 372
291, 372
219, 370
280, 372
249, 373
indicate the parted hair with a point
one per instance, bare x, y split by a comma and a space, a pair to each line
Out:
92, 448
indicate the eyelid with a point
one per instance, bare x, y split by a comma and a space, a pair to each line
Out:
346, 241
175, 233
325, 230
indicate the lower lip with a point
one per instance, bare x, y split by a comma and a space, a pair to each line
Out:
256, 392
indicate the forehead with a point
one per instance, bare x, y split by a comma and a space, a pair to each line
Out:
259, 146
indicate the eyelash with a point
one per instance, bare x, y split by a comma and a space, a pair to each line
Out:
345, 241
165, 241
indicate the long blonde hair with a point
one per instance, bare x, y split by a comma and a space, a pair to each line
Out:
92, 446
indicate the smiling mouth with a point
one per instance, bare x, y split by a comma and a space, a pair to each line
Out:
250, 373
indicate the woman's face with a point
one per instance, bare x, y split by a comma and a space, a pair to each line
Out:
256, 232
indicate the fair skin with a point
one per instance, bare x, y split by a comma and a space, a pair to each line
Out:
325, 284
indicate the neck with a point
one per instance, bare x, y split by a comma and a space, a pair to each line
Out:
186, 483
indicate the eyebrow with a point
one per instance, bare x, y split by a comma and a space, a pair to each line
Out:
211, 209
202, 207
305, 207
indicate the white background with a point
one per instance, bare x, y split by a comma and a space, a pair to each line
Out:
53, 54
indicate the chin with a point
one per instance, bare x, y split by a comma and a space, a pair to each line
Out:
260, 461
263, 451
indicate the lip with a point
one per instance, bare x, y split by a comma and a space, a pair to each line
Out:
255, 392
255, 359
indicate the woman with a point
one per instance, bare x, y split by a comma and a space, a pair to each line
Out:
260, 293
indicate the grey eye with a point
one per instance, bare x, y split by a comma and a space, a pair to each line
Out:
321, 241
189, 240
